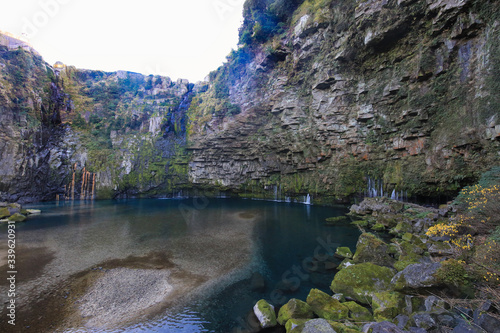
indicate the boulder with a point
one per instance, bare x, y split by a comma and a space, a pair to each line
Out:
4, 212
417, 276
372, 249
325, 306
440, 249
295, 309
387, 305
345, 263
317, 326
265, 314
342, 328
401, 228
343, 252
358, 313
292, 324
361, 281
382, 327
17, 218
34, 211
424, 320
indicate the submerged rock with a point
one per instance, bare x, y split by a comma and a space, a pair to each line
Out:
361, 281
265, 314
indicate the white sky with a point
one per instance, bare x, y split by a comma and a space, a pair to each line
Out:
176, 38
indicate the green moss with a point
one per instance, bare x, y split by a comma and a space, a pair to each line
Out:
295, 309
358, 313
361, 281
387, 305
325, 306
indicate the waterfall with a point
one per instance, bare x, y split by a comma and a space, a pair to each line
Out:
307, 199
375, 189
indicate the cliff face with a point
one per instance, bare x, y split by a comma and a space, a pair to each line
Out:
404, 92
81, 134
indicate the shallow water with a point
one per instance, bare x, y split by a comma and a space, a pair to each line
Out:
216, 247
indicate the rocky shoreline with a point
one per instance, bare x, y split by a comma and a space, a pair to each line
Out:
410, 283
14, 212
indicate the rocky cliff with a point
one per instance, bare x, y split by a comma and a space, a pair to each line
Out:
321, 97
81, 134
404, 92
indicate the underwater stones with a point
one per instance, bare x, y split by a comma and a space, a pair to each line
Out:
325, 306
417, 276
257, 282
387, 305
372, 249
294, 309
343, 252
361, 281
265, 314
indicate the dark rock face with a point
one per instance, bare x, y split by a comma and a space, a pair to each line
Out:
388, 89
401, 91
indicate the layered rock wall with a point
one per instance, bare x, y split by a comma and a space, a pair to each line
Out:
401, 91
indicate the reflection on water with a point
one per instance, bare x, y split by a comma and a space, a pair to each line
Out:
212, 248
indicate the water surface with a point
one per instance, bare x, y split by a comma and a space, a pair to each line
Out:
191, 265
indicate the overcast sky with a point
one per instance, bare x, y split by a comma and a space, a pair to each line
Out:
176, 38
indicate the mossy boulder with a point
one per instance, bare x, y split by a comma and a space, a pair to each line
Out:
17, 218
265, 314
372, 249
318, 325
295, 309
337, 219
342, 328
378, 227
361, 223
325, 306
417, 276
361, 281
387, 305
401, 228
358, 313
4, 212
343, 252
295, 325
345, 263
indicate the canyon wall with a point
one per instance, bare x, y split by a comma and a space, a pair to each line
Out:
337, 95
405, 93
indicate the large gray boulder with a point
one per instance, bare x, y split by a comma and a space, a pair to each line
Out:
382, 327
318, 326
417, 276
